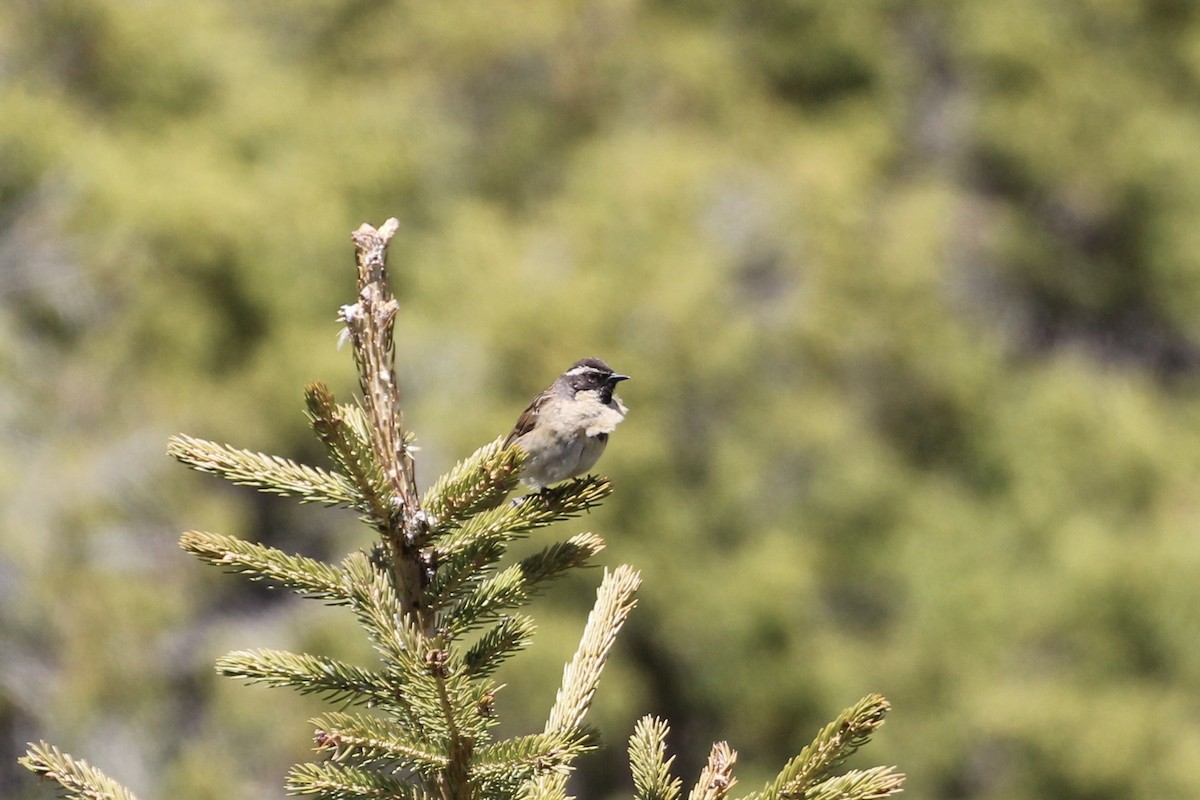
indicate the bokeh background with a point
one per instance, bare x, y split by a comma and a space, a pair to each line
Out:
910, 293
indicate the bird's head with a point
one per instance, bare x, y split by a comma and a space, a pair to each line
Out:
592, 375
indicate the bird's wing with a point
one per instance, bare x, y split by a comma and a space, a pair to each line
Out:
527, 419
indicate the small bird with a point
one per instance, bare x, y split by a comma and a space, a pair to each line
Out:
565, 428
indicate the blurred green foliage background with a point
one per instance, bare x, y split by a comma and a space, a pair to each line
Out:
910, 293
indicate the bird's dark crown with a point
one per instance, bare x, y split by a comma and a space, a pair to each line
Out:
585, 365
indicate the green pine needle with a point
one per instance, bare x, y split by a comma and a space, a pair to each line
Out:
544, 787
649, 763
333, 781
266, 473
525, 757
485, 603
867, 784
276, 568
514, 520
832, 745
337, 681
505, 639
374, 601
534, 748
456, 572
515, 585
614, 602
346, 435
77, 779
434, 680
716, 779
556, 559
478, 483
359, 739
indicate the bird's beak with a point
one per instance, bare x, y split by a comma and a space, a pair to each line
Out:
617, 377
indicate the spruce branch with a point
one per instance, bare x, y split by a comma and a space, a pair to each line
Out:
538, 510
832, 745
489, 599
867, 784
716, 779
412, 657
77, 779
614, 601
498, 643
463, 568
272, 474
478, 483
544, 787
335, 680
306, 576
341, 429
537, 752
555, 560
332, 781
499, 769
359, 739
440, 699
515, 585
374, 601
648, 761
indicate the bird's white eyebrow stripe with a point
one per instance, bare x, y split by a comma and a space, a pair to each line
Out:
583, 369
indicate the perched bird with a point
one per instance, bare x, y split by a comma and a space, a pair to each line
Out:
565, 428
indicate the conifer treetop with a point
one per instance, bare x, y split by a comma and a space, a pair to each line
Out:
444, 612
